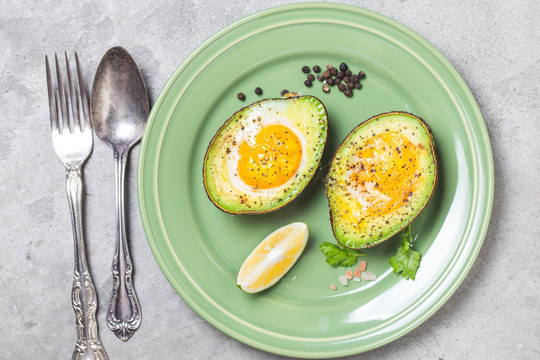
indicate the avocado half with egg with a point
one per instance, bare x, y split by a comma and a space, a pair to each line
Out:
265, 154
381, 177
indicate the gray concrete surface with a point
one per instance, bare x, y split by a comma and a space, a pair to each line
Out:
495, 45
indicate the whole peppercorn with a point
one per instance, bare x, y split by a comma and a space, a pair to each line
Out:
326, 74
326, 88
308, 83
241, 96
361, 75
320, 77
317, 69
305, 69
284, 91
354, 78
330, 82
348, 92
341, 87
311, 77
348, 73
343, 67
359, 85
340, 74
329, 66
333, 71
258, 91
346, 79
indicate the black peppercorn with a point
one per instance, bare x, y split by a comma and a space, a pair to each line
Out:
329, 66
305, 69
308, 83
317, 69
361, 75
326, 74
333, 71
358, 85
343, 67
258, 91
348, 73
311, 77
341, 87
348, 92
330, 82
284, 91
241, 96
320, 77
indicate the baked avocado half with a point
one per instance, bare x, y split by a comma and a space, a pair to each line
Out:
265, 154
381, 177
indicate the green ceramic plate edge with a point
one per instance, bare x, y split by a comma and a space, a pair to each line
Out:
481, 223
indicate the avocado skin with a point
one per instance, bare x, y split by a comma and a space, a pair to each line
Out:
322, 117
372, 241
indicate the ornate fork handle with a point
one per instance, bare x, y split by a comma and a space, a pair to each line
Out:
83, 294
124, 315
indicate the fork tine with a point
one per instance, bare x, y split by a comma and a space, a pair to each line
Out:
53, 110
63, 122
84, 96
73, 99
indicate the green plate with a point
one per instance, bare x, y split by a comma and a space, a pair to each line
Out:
200, 249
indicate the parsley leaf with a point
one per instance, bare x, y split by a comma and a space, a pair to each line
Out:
338, 255
406, 260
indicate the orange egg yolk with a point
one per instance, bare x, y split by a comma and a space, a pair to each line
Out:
386, 174
272, 160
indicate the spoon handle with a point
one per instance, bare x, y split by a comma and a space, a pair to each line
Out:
124, 315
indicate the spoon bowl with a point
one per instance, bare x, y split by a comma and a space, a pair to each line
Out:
119, 104
119, 109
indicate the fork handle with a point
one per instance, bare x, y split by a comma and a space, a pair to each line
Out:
83, 293
124, 315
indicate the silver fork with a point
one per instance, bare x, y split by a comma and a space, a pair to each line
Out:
72, 141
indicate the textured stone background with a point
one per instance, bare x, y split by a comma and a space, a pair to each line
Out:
493, 44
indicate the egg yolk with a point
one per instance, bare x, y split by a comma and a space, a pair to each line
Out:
273, 158
386, 174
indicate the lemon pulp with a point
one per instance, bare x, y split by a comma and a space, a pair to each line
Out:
273, 257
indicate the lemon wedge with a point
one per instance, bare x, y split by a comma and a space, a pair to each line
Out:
272, 258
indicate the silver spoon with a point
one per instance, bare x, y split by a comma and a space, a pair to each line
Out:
120, 107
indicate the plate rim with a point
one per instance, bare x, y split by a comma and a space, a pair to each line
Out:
485, 145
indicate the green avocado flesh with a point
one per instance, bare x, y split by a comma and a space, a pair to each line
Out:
265, 154
381, 178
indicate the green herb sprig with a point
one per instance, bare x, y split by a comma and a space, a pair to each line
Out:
406, 261
338, 255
